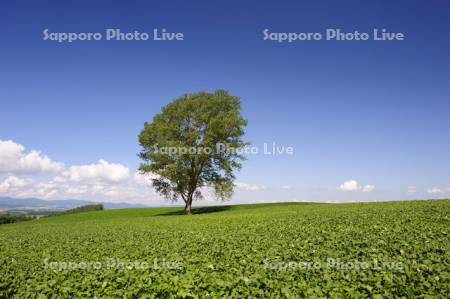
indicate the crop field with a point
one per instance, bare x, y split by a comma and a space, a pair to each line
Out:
289, 250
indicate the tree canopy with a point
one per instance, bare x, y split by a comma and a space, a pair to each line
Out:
193, 144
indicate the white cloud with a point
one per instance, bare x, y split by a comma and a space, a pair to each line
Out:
249, 187
438, 190
286, 187
55, 188
368, 188
102, 181
411, 189
14, 160
144, 179
59, 179
102, 171
11, 184
353, 185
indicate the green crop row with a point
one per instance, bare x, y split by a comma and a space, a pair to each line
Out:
365, 250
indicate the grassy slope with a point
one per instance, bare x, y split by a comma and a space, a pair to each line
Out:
224, 249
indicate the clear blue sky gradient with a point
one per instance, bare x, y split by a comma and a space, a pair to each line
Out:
377, 112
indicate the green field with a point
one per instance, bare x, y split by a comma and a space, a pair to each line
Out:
268, 250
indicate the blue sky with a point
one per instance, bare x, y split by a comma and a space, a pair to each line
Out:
375, 112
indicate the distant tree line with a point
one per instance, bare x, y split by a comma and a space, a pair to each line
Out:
7, 218
86, 208
80, 209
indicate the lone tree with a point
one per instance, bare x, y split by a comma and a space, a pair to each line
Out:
195, 142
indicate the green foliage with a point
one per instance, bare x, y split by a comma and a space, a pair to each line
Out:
6, 218
85, 208
194, 126
224, 250
81, 209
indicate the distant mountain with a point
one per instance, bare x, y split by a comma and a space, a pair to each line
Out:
8, 202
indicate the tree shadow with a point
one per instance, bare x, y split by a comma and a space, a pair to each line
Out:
199, 210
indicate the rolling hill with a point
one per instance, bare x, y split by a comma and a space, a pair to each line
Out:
376, 250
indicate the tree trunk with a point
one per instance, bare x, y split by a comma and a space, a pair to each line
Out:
188, 207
